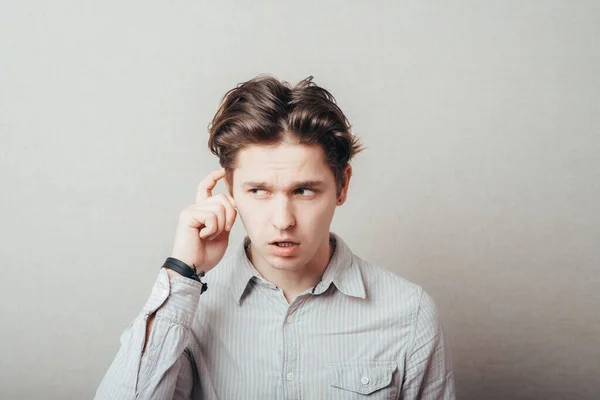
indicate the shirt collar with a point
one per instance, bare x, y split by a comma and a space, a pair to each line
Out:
242, 271
342, 271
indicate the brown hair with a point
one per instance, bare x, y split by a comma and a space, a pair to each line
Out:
267, 111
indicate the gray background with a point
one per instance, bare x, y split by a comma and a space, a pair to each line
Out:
481, 181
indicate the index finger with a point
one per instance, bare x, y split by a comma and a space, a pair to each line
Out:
208, 184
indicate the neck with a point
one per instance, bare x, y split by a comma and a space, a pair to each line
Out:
298, 280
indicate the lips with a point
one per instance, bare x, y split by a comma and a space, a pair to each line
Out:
283, 241
280, 249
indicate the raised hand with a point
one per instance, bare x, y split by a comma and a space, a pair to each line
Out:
203, 231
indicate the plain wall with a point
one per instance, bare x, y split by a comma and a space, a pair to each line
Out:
481, 180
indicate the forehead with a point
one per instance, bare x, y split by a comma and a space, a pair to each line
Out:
281, 164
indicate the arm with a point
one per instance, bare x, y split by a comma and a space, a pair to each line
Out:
152, 362
429, 371
164, 368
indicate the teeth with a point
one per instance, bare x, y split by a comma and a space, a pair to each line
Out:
284, 244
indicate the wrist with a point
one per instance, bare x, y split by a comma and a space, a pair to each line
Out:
176, 267
172, 274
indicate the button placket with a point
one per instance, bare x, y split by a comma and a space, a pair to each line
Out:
292, 385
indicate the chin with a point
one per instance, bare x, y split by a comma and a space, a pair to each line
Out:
286, 263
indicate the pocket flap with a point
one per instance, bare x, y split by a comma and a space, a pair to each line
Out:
362, 377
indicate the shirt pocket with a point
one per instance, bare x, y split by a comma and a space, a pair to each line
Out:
358, 379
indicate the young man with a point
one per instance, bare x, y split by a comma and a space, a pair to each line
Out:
293, 314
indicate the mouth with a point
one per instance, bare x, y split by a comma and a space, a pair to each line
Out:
286, 243
284, 248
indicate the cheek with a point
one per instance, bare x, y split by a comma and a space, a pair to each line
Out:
316, 213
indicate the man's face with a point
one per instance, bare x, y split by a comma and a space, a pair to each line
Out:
285, 192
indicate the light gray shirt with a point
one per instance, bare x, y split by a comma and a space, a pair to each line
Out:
361, 331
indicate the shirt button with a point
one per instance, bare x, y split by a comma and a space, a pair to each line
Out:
289, 319
290, 376
364, 380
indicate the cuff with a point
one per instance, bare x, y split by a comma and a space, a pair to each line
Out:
176, 299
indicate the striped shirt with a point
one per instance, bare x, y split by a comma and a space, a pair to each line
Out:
360, 331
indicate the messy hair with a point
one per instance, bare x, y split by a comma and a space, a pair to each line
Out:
267, 111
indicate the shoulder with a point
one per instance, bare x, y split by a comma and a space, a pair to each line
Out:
406, 297
384, 282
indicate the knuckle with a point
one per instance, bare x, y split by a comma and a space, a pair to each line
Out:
216, 208
224, 202
221, 208
224, 199
198, 206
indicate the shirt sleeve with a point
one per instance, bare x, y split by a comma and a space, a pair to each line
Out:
428, 373
165, 370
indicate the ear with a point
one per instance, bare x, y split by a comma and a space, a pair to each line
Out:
345, 185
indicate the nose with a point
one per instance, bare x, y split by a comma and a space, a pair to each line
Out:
283, 214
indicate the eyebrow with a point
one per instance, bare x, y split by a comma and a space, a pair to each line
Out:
301, 184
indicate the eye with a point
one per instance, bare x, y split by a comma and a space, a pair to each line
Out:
306, 192
257, 191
